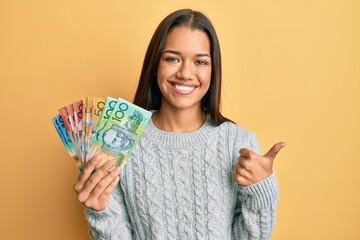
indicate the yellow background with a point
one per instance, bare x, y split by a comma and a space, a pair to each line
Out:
291, 72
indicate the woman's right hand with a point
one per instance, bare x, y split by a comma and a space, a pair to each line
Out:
93, 191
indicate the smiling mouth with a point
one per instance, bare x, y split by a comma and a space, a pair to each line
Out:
183, 89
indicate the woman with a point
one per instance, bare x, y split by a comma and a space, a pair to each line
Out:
194, 174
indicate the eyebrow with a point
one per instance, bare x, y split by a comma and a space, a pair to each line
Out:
178, 53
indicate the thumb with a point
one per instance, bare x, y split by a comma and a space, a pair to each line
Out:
271, 154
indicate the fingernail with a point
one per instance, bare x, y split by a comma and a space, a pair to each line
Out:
97, 158
117, 170
110, 163
117, 179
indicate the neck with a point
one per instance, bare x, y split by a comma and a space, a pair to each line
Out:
179, 121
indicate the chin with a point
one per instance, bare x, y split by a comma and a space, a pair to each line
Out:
182, 106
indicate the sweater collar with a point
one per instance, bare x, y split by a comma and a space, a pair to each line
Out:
179, 140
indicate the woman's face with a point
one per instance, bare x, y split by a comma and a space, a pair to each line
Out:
184, 71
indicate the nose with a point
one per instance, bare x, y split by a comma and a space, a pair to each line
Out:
186, 71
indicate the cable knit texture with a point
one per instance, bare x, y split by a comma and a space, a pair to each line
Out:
180, 186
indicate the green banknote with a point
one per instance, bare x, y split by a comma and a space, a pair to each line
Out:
105, 115
120, 133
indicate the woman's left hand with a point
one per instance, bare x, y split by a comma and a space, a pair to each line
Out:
252, 168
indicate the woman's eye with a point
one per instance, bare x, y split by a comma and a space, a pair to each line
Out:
200, 62
171, 59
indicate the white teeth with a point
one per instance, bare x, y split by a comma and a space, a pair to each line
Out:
184, 89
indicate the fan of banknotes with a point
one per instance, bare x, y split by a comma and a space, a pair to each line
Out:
95, 126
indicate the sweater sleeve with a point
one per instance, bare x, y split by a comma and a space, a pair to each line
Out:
113, 222
255, 208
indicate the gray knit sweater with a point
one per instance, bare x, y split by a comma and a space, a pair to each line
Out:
180, 186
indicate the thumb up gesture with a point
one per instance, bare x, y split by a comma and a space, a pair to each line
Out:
252, 168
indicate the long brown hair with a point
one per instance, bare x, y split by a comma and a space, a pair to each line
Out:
148, 94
